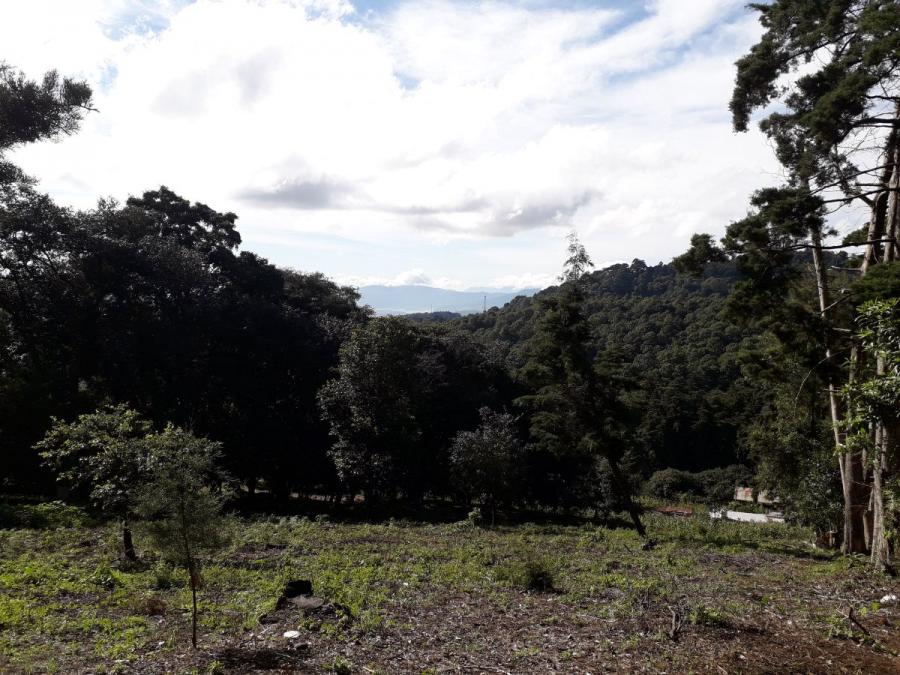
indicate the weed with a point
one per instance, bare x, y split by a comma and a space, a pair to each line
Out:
526, 652
341, 666
105, 576
702, 615
535, 574
166, 577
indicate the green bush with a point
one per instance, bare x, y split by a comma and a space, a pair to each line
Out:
717, 485
702, 615
44, 516
671, 484
532, 575
538, 576
712, 485
165, 577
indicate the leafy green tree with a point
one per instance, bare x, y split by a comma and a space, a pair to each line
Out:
192, 226
486, 463
104, 454
672, 484
400, 393
848, 92
792, 445
182, 503
30, 111
370, 407
149, 303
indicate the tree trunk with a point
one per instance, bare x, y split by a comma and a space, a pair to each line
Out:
851, 465
855, 503
622, 485
127, 542
885, 439
869, 518
880, 553
892, 220
855, 482
861, 494
855, 486
194, 612
635, 515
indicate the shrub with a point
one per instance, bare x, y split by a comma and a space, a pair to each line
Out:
538, 576
181, 506
103, 454
485, 463
712, 485
165, 577
672, 483
702, 615
46, 516
532, 575
717, 485
341, 666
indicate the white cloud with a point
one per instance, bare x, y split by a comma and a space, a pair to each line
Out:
521, 281
457, 138
411, 277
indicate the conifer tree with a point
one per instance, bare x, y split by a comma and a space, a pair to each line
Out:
182, 503
576, 405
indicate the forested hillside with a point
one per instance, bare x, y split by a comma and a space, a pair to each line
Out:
666, 334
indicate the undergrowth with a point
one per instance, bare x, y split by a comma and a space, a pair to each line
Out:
67, 581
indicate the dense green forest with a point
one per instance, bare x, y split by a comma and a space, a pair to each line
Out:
666, 335
152, 305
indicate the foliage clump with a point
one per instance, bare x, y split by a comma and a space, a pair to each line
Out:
102, 454
712, 485
485, 464
533, 574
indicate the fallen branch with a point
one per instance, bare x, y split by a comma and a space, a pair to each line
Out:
853, 620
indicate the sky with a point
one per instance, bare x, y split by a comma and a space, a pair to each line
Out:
452, 144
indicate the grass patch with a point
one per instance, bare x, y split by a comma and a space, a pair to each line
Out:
708, 616
535, 574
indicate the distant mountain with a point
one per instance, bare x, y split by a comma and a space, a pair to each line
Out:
420, 299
